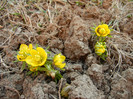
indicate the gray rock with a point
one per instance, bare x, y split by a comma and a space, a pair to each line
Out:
90, 59
96, 74
122, 85
76, 45
74, 67
39, 89
83, 88
10, 85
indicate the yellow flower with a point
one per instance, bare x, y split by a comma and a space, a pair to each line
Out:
102, 30
100, 48
58, 61
37, 57
33, 69
24, 52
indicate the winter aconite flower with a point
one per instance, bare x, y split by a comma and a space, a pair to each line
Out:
102, 30
100, 48
24, 52
58, 61
37, 57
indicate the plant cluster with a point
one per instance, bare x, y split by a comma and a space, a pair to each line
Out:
38, 60
101, 32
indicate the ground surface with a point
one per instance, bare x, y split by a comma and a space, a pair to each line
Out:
64, 26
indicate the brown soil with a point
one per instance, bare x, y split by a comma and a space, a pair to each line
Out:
64, 26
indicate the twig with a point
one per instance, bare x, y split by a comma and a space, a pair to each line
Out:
121, 77
59, 1
13, 89
7, 72
2, 62
70, 2
53, 96
60, 85
1, 74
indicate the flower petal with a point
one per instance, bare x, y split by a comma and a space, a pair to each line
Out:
20, 58
23, 46
41, 51
31, 61
30, 46
33, 52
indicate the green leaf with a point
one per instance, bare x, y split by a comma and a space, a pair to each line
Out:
111, 29
36, 45
47, 48
104, 55
48, 62
101, 39
50, 58
110, 36
23, 66
36, 73
78, 3
58, 76
48, 52
17, 52
44, 11
16, 61
42, 69
110, 22
29, 72
16, 14
62, 69
102, 22
93, 28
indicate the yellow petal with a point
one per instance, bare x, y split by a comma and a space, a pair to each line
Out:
43, 55
105, 26
30, 60
23, 46
20, 58
41, 52
30, 46
33, 52
62, 58
62, 65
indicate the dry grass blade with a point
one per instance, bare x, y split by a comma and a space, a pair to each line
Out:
120, 12
121, 48
13, 89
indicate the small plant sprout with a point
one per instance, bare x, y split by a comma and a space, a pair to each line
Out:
38, 60
100, 49
65, 90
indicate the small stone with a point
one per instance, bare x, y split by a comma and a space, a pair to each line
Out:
90, 59
22, 97
74, 67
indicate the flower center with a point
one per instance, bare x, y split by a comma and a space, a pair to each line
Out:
102, 31
37, 57
101, 50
